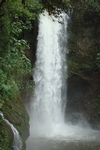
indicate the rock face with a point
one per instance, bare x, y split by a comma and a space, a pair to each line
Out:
15, 113
6, 135
83, 99
84, 83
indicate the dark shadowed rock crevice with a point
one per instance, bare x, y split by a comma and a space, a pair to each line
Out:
33, 43
83, 100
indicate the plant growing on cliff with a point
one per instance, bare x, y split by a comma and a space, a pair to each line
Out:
98, 61
16, 18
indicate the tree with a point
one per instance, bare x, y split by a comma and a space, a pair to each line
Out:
16, 18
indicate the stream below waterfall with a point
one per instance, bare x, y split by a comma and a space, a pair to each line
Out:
48, 130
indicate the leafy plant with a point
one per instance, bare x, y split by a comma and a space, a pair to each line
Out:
16, 18
98, 60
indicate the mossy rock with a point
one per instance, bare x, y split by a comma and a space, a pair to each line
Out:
15, 112
6, 135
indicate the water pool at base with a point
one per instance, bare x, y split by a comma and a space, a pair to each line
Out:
71, 138
66, 144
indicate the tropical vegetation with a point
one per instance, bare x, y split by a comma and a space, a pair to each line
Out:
17, 19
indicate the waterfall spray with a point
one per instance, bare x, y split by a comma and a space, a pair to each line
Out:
17, 143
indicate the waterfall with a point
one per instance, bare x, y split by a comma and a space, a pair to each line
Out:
48, 129
48, 107
17, 143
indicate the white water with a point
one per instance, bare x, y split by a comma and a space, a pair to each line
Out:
50, 72
48, 105
17, 143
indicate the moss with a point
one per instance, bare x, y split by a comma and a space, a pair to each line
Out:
15, 112
6, 136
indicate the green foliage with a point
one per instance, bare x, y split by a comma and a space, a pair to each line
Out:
16, 18
98, 60
53, 5
90, 10
92, 6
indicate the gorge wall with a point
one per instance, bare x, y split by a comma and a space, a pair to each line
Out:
84, 71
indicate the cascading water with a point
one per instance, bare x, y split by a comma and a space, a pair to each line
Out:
17, 143
50, 72
48, 131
